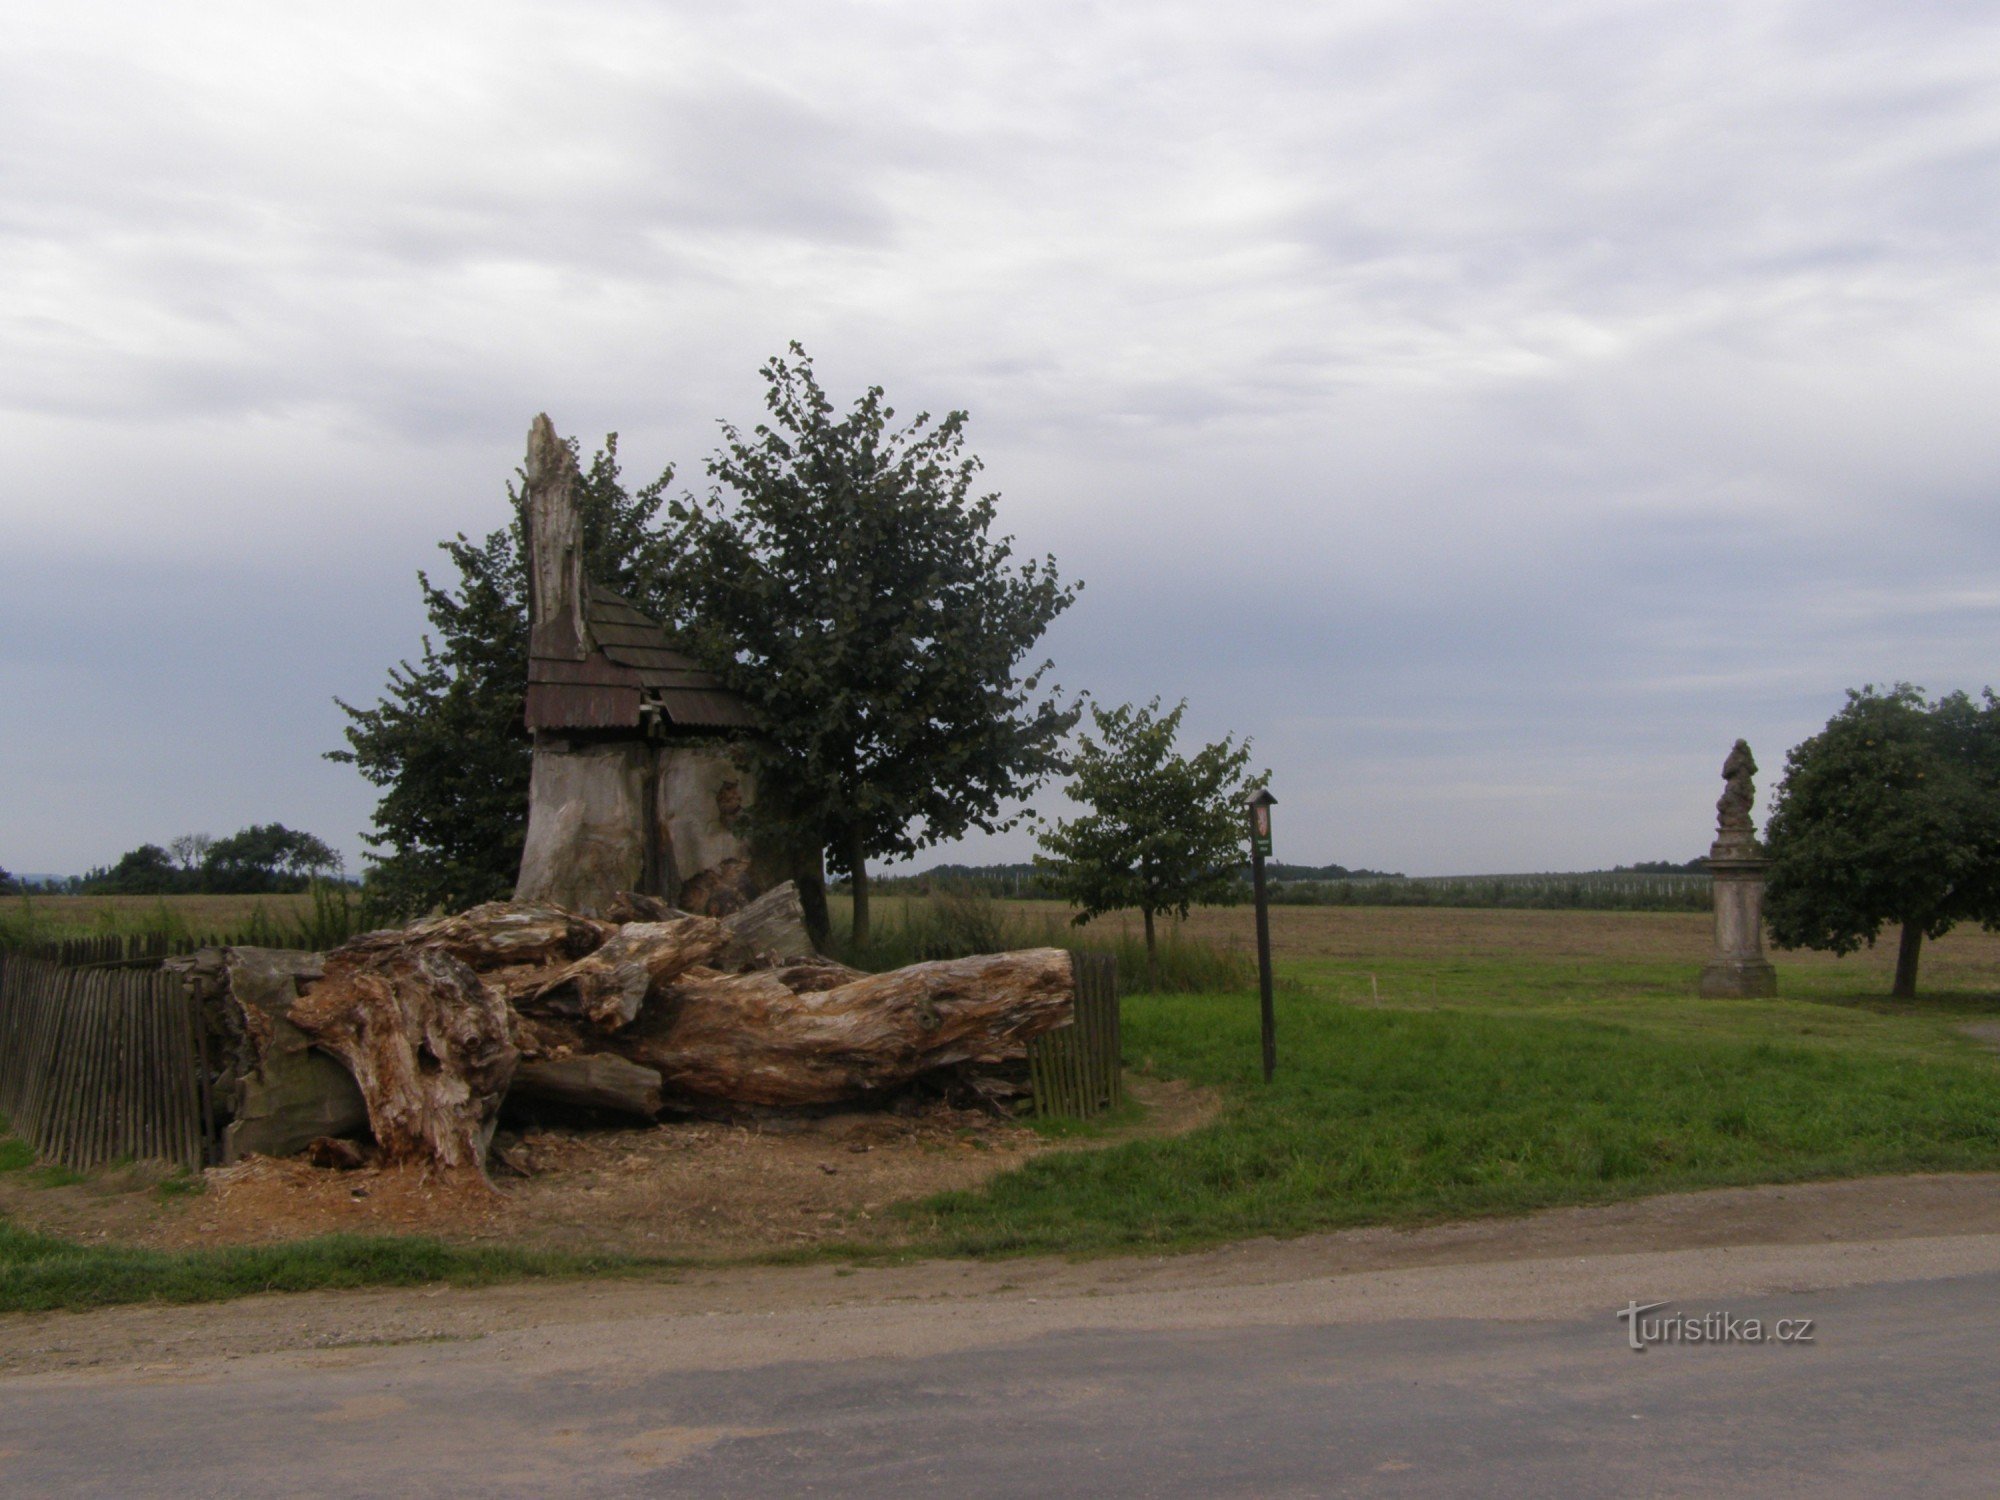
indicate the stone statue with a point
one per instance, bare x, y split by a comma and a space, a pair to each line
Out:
1739, 791
1737, 968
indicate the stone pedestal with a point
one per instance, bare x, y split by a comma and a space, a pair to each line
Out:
1738, 970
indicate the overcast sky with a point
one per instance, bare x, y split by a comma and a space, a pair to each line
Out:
1493, 411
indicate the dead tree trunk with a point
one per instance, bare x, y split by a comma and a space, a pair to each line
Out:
436, 1022
789, 1037
428, 1043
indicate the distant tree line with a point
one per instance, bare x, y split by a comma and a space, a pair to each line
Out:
265, 858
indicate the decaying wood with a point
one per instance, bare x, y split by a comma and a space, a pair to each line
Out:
279, 1091
500, 934
607, 987
753, 1039
774, 926
436, 1022
600, 1080
555, 547
637, 906
427, 1042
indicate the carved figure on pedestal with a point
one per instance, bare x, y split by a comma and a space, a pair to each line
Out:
1738, 967
1739, 792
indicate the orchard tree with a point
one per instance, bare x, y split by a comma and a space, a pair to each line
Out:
1164, 832
446, 742
1891, 814
842, 576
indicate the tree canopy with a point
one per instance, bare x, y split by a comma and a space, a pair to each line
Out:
1891, 814
1163, 832
447, 742
263, 857
842, 576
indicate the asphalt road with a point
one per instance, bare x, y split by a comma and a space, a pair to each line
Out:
1488, 1380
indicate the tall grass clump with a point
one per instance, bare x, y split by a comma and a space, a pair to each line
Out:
21, 927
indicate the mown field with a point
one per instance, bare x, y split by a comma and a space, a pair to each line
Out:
1432, 1064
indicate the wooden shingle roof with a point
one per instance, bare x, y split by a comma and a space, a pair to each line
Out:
630, 664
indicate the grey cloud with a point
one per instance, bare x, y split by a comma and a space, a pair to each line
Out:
1472, 404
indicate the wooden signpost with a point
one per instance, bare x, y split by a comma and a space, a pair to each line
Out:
1261, 803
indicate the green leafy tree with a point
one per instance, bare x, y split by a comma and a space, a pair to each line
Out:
8, 885
446, 742
145, 871
1891, 814
266, 857
841, 574
1164, 832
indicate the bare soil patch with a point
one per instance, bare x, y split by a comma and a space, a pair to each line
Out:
697, 1189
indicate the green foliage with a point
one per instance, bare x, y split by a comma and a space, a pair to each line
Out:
265, 857
1164, 832
841, 575
15, 1155
145, 871
447, 742
39, 1272
1889, 814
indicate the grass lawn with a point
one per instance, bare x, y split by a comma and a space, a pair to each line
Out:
1432, 1064
1437, 1064
40, 1274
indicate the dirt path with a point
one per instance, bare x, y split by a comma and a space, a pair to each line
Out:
706, 1190
1766, 1226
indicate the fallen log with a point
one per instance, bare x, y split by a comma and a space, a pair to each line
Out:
755, 1039
427, 1042
435, 1023
607, 987
601, 1080
498, 935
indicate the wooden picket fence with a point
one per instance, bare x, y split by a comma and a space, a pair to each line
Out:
1075, 1069
101, 1064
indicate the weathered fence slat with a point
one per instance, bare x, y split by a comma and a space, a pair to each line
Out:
1075, 1069
101, 1064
